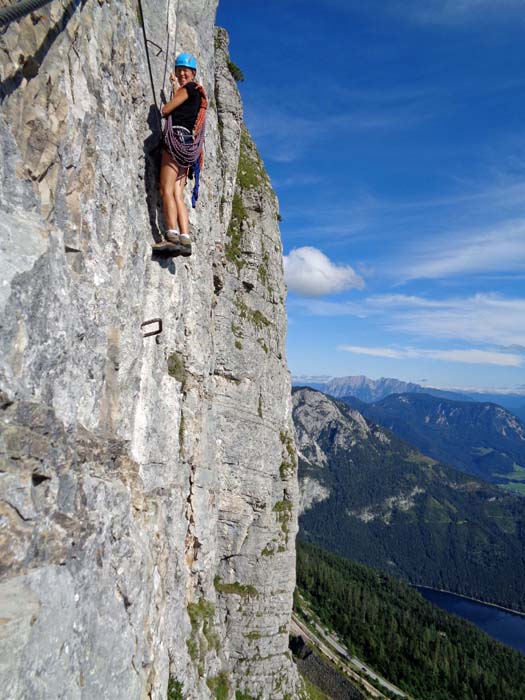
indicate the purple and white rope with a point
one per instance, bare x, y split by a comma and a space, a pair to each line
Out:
183, 154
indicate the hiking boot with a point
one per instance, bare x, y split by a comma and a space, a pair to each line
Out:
163, 246
159, 245
172, 236
184, 244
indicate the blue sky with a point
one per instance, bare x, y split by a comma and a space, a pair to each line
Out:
394, 135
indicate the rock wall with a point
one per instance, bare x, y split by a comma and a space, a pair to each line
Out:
148, 490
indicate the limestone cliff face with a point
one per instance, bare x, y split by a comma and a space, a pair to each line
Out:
148, 491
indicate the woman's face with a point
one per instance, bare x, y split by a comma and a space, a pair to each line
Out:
184, 75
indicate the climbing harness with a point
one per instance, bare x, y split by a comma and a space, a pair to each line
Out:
188, 152
21, 9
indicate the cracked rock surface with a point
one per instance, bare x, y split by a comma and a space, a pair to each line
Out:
148, 485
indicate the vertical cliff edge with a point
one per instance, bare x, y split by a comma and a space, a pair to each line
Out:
148, 486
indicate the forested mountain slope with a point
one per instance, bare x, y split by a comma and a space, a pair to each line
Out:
368, 495
428, 653
483, 439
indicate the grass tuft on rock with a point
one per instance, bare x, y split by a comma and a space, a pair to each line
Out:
234, 588
174, 689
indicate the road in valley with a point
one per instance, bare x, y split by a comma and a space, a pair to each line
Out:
341, 655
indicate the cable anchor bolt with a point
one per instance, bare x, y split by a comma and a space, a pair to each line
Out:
160, 49
157, 331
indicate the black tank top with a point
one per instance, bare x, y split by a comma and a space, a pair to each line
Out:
186, 113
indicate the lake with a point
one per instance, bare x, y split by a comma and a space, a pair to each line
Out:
504, 626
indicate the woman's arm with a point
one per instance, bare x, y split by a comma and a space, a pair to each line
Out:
180, 96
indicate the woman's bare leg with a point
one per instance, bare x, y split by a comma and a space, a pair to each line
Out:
168, 177
178, 194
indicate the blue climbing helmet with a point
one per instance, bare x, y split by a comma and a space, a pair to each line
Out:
186, 60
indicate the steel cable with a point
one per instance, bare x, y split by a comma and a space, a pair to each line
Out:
154, 92
21, 9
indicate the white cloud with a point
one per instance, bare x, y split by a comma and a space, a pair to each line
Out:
470, 356
503, 193
404, 300
496, 250
319, 307
376, 352
478, 357
483, 318
309, 272
488, 319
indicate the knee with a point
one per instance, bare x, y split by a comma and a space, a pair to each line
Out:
165, 192
178, 194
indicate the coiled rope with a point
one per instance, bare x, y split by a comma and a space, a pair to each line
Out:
21, 9
189, 154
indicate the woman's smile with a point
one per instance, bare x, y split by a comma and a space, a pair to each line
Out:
184, 75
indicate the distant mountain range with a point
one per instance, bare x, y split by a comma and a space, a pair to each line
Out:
370, 390
369, 495
483, 439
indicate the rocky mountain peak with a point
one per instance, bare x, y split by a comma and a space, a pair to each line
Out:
317, 416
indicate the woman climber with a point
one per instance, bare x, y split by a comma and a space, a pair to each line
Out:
182, 151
